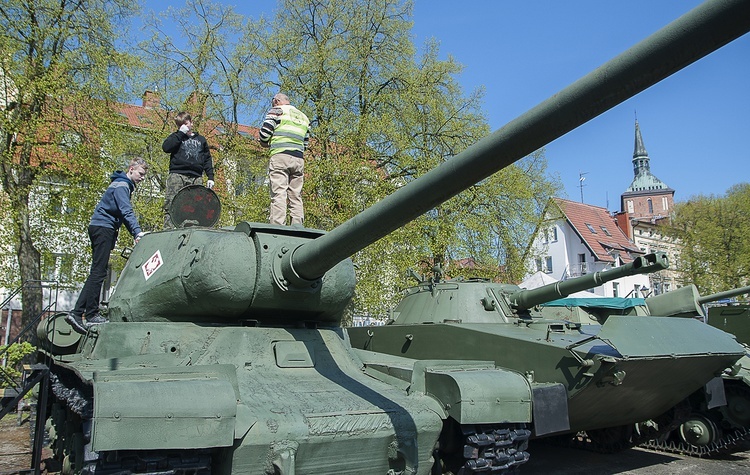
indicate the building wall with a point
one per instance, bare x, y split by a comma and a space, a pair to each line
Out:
648, 205
564, 252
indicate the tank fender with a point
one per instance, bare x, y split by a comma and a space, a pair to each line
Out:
475, 392
714, 393
142, 409
550, 403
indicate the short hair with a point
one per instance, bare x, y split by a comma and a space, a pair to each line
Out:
281, 97
136, 161
181, 118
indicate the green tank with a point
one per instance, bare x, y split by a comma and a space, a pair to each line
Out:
716, 416
732, 317
225, 352
601, 379
719, 421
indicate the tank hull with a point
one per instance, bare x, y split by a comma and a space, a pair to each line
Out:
263, 398
627, 381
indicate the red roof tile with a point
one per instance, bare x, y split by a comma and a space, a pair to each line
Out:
580, 216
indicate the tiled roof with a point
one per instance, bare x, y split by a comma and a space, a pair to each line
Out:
598, 230
149, 118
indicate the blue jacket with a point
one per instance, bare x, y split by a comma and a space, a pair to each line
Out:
114, 208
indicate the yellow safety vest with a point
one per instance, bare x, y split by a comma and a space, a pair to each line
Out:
291, 131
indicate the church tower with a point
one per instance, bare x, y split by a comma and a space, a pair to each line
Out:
647, 196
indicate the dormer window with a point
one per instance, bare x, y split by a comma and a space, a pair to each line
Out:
591, 228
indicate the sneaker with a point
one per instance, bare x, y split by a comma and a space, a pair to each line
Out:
76, 322
95, 320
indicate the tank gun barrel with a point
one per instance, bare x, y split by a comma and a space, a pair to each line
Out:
687, 39
724, 295
557, 290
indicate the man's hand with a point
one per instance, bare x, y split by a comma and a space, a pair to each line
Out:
184, 129
210, 184
139, 236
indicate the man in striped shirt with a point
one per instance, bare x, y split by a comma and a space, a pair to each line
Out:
285, 132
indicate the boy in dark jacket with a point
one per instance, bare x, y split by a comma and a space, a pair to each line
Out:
189, 158
112, 211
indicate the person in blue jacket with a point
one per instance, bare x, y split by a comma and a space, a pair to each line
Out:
112, 211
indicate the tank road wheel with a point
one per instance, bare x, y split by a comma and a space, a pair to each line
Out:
699, 431
737, 410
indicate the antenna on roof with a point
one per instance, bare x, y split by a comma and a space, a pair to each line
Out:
581, 179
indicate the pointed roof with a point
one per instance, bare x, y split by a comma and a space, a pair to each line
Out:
644, 180
598, 231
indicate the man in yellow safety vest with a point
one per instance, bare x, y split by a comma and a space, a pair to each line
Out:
285, 132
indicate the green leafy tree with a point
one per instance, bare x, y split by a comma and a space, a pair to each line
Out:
382, 117
59, 65
714, 234
209, 70
13, 355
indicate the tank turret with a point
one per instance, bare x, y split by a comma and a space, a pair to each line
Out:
557, 290
687, 301
224, 353
272, 267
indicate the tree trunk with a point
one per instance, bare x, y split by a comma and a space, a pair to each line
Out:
28, 257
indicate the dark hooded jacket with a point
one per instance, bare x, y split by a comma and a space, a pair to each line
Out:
114, 207
188, 155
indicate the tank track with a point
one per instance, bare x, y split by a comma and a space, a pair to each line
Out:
733, 437
727, 444
489, 449
69, 424
151, 463
616, 439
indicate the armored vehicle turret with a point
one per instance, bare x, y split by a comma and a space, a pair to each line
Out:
224, 352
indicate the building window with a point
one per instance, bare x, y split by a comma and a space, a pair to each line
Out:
550, 234
548, 264
539, 264
605, 230
665, 203
650, 206
630, 206
591, 228
581, 264
615, 289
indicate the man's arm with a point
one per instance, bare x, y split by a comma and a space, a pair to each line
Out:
273, 119
172, 142
208, 161
122, 200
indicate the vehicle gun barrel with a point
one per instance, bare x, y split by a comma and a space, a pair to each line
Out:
682, 42
724, 295
547, 293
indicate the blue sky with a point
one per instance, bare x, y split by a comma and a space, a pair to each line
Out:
695, 124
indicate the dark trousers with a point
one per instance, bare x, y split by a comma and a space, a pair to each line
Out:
102, 242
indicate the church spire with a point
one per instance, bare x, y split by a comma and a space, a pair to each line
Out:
643, 179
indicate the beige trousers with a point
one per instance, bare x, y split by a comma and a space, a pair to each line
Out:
285, 175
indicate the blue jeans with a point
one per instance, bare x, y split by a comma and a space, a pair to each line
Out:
103, 240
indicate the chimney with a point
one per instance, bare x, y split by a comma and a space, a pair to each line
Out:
197, 100
151, 99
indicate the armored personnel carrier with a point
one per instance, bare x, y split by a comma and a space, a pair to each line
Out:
224, 352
